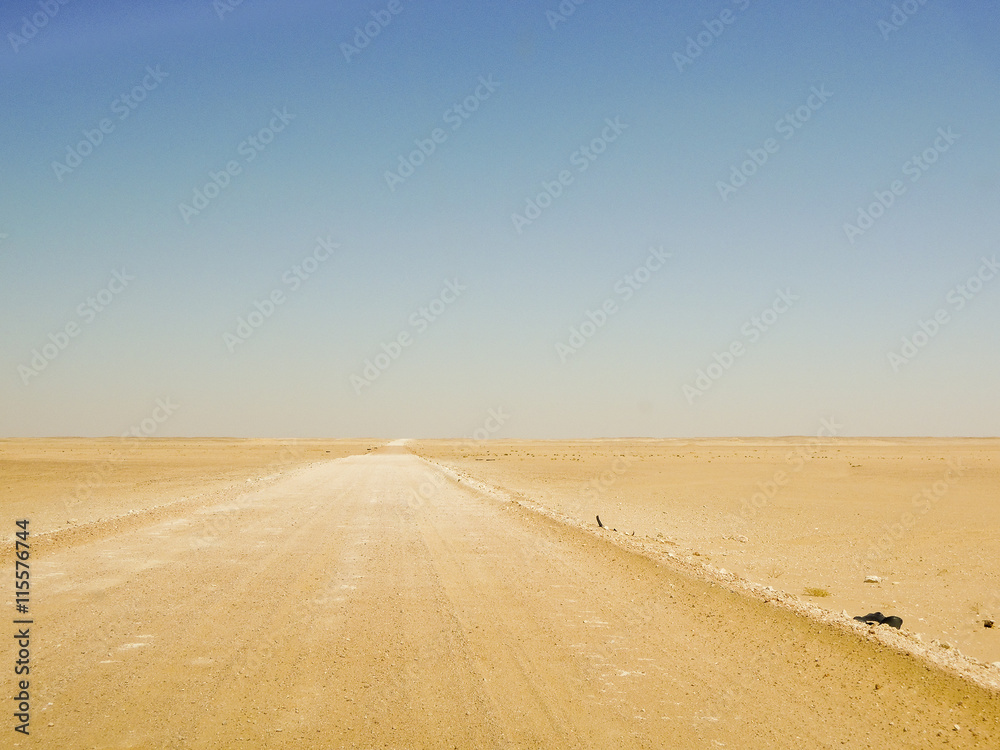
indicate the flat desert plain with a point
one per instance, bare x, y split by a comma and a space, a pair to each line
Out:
460, 594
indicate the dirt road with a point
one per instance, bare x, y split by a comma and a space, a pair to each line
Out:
369, 602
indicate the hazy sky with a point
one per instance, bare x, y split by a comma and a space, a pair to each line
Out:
526, 219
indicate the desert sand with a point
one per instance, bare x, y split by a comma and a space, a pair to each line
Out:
328, 594
921, 514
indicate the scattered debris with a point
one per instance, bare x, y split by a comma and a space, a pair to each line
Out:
880, 619
601, 525
873, 579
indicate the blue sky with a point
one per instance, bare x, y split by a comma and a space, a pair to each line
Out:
635, 219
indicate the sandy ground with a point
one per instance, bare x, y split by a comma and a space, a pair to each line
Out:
380, 600
922, 514
75, 488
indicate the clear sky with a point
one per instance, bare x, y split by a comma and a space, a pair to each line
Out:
430, 219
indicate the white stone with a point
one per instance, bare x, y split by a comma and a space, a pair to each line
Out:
873, 579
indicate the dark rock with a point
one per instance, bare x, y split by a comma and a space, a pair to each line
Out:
880, 619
